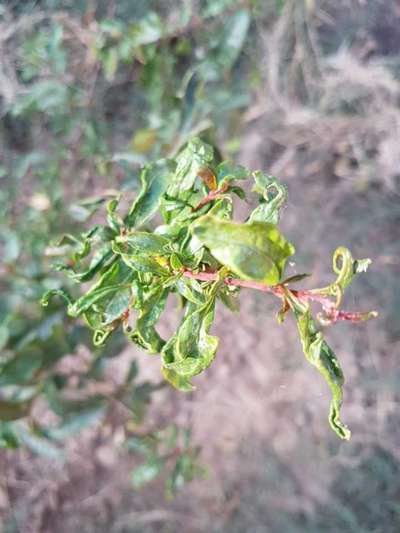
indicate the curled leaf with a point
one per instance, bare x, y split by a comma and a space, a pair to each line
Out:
346, 267
144, 333
47, 296
191, 350
320, 355
274, 195
193, 159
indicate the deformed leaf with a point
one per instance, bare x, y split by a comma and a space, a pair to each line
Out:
193, 253
191, 290
117, 278
114, 220
274, 196
155, 179
182, 383
346, 267
102, 258
191, 350
319, 354
255, 251
196, 156
144, 333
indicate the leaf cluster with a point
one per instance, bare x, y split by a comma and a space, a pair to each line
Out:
180, 238
68, 118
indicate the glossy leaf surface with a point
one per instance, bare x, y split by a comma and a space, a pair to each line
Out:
255, 251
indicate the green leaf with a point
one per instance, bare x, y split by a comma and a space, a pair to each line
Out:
48, 295
147, 472
8, 438
114, 220
76, 422
146, 445
191, 350
155, 178
274, 196
319, 354
230, 301
148, 29
255, 251
182, 473
110, 63
92, 297
232, 39
40, 446
190, 161
11, 246
191, 290
227, 172
346, 267
139, 398
117, 306
179, 382
222, 208
4, 335
21, 369
84, 209
46, 96
295, 278
100, 260
145, 334
149, 265
141, 242
117, 278
279, 4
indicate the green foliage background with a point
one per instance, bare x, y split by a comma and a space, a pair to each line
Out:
93, 100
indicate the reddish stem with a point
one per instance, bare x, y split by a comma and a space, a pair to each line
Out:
304, 296
212, 195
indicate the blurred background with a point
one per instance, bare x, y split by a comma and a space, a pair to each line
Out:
307, 90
